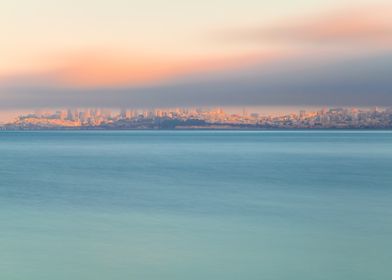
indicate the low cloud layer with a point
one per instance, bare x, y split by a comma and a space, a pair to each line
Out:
355, 81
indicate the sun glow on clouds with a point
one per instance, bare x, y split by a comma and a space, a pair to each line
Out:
340, 27
103, 68
109, 50
345, 28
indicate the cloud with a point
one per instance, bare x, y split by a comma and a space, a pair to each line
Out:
353, 81
364, 25
316, 76
95, 68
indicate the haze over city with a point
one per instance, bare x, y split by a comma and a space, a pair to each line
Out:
153, 54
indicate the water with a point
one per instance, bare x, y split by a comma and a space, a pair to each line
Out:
196, 205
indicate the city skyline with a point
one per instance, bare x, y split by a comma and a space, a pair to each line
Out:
7, 116
202, 118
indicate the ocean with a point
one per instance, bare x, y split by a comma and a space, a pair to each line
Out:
272, 205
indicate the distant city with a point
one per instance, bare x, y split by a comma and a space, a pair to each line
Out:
217, 118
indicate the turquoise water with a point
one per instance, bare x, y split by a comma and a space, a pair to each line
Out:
196, 205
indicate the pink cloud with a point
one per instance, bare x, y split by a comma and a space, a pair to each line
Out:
365, 25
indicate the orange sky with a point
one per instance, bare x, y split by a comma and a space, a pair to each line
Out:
119, 42
101, 69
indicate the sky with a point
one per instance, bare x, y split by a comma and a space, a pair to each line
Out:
160, 53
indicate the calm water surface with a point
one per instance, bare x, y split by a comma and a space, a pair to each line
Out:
196, 205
